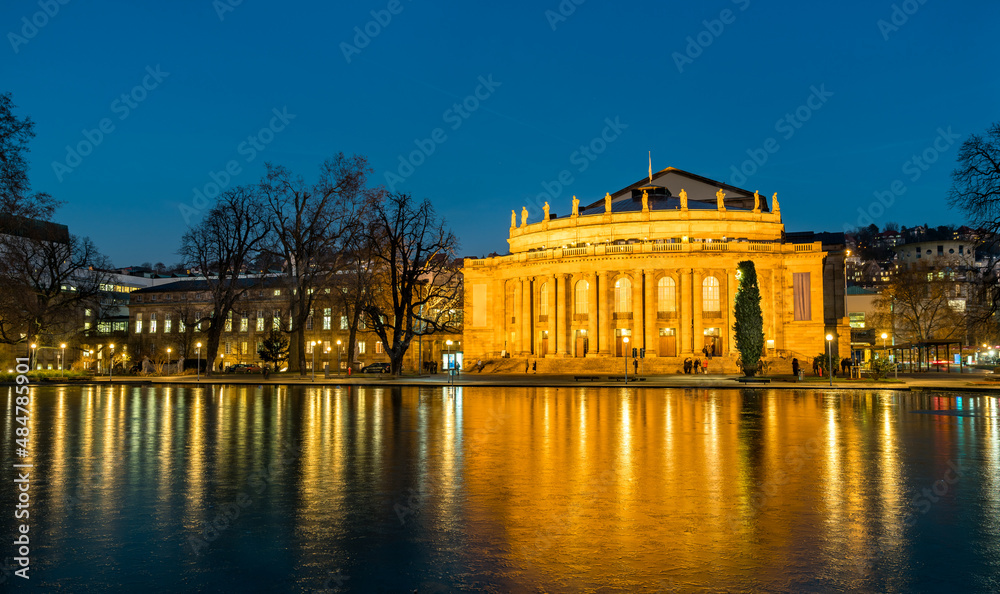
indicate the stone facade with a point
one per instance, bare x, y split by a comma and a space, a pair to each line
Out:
658, 269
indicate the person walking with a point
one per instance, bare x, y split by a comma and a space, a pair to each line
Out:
795, 367
687, 365
635, 366
704, 366
697, 366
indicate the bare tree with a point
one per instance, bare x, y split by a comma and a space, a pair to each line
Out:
16, 198
311, 226
418, 284
221, 247
48, 277
917, 305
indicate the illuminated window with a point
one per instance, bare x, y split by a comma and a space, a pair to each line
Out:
244, 324
309, 348
138, 323
666, 295
378, 347
152, 323
229, 348
276, 321
260, 320
343, 322
710, 294
361, 347
623, 295
582, 293
277, 292
327, 318
167, 323
229, 323
543, 300
244, 346
180, 325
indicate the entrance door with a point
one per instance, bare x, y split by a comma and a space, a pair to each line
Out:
621, 349
668, 343
582, 345
543, 344
713, 342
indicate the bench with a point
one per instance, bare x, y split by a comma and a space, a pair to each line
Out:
592, 378
753, 380
619, 378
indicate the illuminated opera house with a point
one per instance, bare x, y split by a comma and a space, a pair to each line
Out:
653, 267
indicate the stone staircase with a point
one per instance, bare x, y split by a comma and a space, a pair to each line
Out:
725, 364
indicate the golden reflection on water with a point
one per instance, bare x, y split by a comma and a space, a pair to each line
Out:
568, 488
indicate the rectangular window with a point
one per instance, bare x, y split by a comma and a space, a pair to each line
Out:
152, 323
229, 323
87, 312
180, 326
961, 250
361, 347
229, 347
86, 325
309, 322
276, 321
802, 295
244, 324
378, 347
138, 323
260, 321
327, 318
277, 292
244, 346
309, 348
167, 323
857, 319
940, 250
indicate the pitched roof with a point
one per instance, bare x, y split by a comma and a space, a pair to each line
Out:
668, 176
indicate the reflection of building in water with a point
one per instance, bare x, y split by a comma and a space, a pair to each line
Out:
653, 267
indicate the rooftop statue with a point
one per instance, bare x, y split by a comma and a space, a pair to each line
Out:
524, 216
774, 203
607, 202
576, 207
756, 201
720, 197
645, 200
513, 219
684, 199
546, 209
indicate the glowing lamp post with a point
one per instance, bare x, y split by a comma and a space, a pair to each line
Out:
313, 349
198, 373
448, 358
111, 362
829, 357
168, 355
625, 348
33, 357
62, 358
338, 357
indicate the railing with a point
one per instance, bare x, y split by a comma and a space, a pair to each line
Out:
715, 247
667, 247
538, 255
618, 249
803, 247
760, 247
576, 251
478, 262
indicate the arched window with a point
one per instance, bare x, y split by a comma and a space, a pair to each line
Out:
582, 294
543, 300
666, 295
623, 295
710, 294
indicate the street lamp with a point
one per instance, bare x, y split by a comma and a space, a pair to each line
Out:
338, 357
829, 357
62, 359
313, 349
168, 356
199, 361
625, 348
451, 373
33, 355
111, 362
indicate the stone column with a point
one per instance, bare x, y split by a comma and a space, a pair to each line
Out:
498, 324
685, 322
728, 344
528, 340
604, 324
517, 315
592, 316
698, 327
638, 339
563, 291
650, 323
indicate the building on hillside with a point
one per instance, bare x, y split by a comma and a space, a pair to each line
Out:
653, 267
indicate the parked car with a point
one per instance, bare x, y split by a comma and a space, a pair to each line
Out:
376, 368
245, 368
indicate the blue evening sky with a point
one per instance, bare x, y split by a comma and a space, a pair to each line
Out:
706, 86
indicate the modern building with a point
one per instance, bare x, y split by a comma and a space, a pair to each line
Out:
653, 267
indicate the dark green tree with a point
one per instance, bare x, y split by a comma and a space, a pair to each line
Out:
748, 329
274, 349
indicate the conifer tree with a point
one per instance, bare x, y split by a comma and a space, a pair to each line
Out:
748, 329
